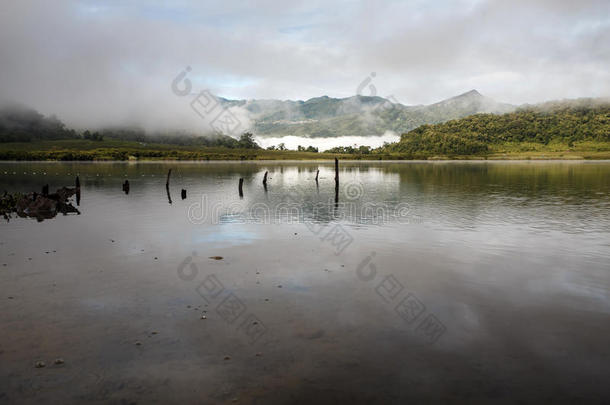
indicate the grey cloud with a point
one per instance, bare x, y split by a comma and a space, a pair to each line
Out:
99, 63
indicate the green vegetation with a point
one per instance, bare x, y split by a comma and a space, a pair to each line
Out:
307, 149
81, 149
568, 127
360, 150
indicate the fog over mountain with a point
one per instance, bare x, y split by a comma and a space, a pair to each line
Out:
100, 63
319, 117
355, 116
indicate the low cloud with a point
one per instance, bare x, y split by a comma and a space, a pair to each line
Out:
98, 63
292, 142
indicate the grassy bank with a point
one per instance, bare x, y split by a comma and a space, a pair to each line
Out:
86, 150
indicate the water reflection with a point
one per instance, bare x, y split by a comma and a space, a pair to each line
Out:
512, 258
564, 196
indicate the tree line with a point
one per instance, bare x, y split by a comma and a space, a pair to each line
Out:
562, 122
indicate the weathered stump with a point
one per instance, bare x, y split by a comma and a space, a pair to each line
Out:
336, 173
336, 180
169, 197
169, 173
77, 184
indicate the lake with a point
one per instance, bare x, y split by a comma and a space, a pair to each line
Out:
418, 281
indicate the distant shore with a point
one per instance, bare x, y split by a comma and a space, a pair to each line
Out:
115, 150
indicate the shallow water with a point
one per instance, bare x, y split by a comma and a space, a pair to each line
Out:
436, 282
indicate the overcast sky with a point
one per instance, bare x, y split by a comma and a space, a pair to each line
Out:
98, 62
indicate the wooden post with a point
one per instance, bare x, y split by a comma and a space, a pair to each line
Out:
336, 173
45, 190
183, 194
168, 174
317, 174
169, 197
265, 179
336, 180
77, 184
126, 187
241, 183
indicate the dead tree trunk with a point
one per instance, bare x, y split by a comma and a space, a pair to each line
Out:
169, 197
336, 173
168, 174
77, 184
336, 180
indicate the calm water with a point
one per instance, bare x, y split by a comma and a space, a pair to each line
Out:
443, 282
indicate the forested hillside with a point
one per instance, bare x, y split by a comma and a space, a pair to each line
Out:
566, 122
22, 124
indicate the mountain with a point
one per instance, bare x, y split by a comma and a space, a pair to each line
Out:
317, 117
357, 115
